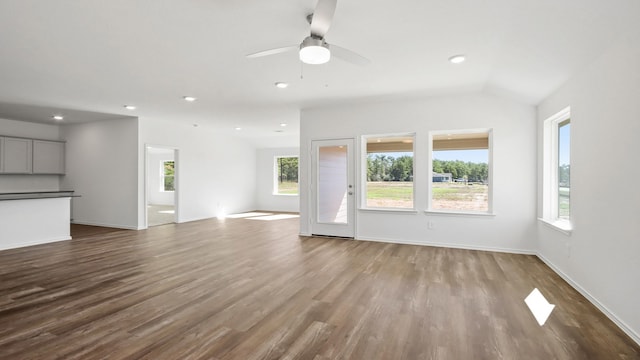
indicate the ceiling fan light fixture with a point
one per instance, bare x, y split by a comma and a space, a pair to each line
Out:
314, 51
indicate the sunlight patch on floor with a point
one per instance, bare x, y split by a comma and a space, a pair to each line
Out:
275, 217
263, 216
247, 215
539, 306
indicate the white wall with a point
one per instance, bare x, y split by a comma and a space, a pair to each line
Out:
265, 182
514, 152
26, 183
600, 257
215, 171
102, 167
155, 195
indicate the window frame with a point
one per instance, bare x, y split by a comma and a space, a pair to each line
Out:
163, 176
490, 205
275, 175
550, 171
363, 173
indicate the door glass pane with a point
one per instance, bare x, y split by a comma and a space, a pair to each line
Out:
332, 184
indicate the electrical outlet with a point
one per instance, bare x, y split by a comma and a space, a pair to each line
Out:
431, 224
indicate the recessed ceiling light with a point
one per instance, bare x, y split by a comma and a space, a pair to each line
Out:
281, 85
238, 128
457, 59
283, 124
130, 107
189, 98
57, 117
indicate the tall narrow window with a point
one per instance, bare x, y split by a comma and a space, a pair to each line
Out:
564, 170
389, 171
286, 175
557, 170
460, 171
168, 176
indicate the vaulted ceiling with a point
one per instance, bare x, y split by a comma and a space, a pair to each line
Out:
96, 55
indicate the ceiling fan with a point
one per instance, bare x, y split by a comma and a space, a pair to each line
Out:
314, 49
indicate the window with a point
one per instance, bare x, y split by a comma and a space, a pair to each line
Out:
167, 176
557, 170
389, 171
286, 175
461, 171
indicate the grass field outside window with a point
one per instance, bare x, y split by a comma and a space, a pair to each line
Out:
446, 196
288, 188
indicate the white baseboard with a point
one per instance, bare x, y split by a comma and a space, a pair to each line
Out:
621, 324
35, 242
89, 223
453, 246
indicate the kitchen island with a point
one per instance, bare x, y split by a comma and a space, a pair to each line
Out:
30, 218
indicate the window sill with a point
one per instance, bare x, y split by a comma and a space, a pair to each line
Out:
389, 210
562, 226
459, 213
274, 194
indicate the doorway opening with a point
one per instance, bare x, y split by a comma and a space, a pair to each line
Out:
161, 185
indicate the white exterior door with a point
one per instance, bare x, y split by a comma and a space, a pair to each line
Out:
333, 190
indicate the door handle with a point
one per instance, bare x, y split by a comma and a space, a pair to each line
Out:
350, 192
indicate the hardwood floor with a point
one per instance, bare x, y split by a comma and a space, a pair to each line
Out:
248, 289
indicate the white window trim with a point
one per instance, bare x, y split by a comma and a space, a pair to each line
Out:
275, 175
490, 210
389, 210
550, 173
162, 176
459, 213
363, 173
562, 225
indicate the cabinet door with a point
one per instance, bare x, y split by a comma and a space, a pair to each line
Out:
48, 157
17, 155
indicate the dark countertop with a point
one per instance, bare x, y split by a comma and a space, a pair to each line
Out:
36, 195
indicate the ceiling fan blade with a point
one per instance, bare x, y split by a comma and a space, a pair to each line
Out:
274, 51
322, 17
348, 55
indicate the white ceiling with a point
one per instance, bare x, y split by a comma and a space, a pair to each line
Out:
96, 55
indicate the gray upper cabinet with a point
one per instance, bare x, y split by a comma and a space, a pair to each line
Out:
48, 157
30, 156
17, 155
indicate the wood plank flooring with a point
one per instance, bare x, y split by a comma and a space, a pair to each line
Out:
248, 289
